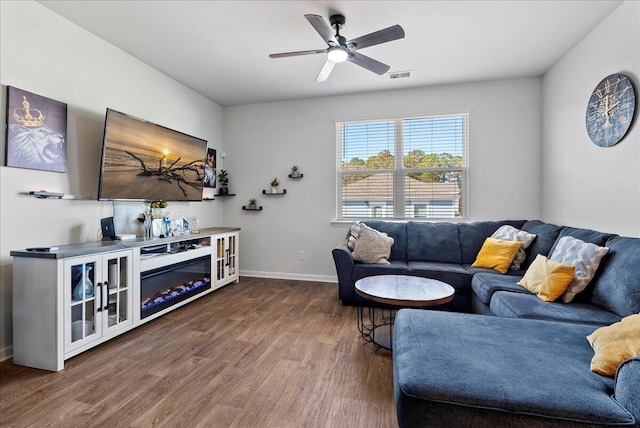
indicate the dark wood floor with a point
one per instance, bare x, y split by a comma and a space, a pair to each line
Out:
260, 353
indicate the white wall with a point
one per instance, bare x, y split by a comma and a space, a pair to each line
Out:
586, 185
262, 141
46, 54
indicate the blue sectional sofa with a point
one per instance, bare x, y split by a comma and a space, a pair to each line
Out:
498, 355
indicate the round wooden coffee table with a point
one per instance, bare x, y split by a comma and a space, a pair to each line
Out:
393, 292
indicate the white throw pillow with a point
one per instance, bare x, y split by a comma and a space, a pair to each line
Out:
510, 233
372, 246
584, 256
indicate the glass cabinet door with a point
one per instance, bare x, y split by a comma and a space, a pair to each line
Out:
117, 303
81, 301
226, 258
232, 262
221, 258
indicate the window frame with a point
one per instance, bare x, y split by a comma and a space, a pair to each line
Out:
399, 171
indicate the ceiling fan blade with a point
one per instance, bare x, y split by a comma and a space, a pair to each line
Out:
325, 71
381, 36
368, 63
286, 54
322, 28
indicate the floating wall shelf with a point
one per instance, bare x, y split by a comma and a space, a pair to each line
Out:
43, 194
296, 176
245, 208
284, 192
228, 194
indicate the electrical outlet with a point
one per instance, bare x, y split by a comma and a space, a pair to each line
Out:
300, 255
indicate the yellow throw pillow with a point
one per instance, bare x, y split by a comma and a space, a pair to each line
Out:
497, 254
614, 344
547, 279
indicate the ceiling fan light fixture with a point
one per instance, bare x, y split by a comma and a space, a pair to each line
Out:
337, 54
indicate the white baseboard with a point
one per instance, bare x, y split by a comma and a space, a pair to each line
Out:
6, 352
292, 276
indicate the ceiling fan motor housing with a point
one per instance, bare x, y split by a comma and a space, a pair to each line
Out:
337, 21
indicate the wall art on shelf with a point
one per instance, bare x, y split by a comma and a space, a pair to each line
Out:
210, 169
36, 132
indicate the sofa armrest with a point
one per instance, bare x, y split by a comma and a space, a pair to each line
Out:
344, 268
627, 386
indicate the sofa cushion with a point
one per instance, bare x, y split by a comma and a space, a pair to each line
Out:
453, 274
546, 235
615, 343
372, 246
547, 279
445, 363
519, 305
497, 254
395, 267
616, 286
396, 230
472, 235
433, 242
585, 256
485, 284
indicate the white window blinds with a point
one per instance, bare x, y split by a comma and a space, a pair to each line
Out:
427, 180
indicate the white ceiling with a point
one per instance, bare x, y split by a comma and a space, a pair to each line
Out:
220, 48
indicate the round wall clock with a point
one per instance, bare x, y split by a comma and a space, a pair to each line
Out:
610, 110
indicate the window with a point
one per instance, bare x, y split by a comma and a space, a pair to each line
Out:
427, 181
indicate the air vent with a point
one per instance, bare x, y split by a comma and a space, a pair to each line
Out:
399, 75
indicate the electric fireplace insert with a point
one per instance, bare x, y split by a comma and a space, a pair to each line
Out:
168, 285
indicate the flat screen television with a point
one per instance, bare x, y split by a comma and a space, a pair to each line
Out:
148, 162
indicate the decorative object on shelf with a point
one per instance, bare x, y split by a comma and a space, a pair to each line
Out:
274, 185
224, 182
193, 224
158, 209
36, 132
210, 169
253, 205
43, 194
295, 172
84, 287
610, 110
284, 191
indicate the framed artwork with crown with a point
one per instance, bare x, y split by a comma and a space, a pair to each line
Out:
36, 132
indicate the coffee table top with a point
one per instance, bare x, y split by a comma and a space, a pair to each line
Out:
404, 290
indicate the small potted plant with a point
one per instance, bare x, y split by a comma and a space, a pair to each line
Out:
295, 171
224, 182
158, 209
253, 204
274, 185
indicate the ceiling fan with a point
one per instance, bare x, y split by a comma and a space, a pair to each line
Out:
341, 50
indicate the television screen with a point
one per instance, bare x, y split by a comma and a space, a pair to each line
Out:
148, 162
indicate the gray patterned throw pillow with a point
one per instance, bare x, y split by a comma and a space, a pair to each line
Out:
354, 232
510, 233
584, 256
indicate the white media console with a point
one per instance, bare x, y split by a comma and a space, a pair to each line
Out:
74, 297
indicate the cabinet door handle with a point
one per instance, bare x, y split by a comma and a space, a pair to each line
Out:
100, 291
105, 295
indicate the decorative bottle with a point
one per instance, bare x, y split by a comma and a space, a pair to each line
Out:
84, 286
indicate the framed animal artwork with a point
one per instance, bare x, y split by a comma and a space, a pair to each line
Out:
36, 132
